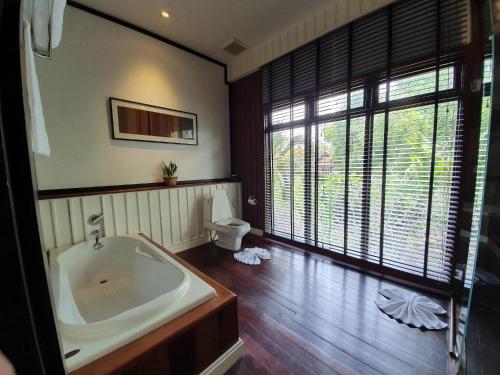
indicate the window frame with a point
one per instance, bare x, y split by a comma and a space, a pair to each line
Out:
370, 108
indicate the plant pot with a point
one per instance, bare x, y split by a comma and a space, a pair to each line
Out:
170, 181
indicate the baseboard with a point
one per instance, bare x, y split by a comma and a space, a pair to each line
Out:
257, 231
188, 244
226, 360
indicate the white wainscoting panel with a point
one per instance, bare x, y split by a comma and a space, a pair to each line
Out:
172, 217
336, 14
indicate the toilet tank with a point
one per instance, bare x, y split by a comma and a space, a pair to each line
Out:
218, 207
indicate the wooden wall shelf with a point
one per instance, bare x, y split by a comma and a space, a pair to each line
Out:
112, 189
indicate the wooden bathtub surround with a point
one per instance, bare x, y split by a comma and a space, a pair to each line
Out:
185, 345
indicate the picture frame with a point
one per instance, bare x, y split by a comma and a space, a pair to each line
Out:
135, 121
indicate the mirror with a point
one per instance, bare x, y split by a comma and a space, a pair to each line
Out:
141, 122
478, 271
483, 325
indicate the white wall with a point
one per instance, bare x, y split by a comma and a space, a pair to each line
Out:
98, 59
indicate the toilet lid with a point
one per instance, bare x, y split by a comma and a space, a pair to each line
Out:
221, 207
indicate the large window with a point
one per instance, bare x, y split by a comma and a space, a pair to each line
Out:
363, 158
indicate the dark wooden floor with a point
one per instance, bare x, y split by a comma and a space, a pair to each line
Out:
483, 340
301, 313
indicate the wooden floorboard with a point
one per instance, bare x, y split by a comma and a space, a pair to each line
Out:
302, 313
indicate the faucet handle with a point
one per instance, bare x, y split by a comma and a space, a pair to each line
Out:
96, 219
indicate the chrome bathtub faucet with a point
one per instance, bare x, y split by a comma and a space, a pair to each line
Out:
96, 220
98, 244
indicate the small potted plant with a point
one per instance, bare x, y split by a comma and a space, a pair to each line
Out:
168, 173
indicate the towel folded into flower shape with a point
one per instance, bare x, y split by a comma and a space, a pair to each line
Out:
252, 255
411, 308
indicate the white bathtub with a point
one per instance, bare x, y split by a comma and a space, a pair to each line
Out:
108, 297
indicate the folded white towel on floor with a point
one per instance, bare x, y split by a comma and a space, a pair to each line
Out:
260, 252
411, 308
252, 255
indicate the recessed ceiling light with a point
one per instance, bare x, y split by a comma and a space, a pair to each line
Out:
165, 14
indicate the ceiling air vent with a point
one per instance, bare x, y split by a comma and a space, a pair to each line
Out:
234, 47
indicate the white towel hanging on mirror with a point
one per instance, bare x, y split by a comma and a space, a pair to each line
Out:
35, 118
44, 12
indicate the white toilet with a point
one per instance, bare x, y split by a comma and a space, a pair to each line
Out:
218, 216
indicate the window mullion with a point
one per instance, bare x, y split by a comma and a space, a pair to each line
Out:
434, 138
314, 116
308, 208
291, 145
386, 128
270, 153
271, 181
370, 90
347, 140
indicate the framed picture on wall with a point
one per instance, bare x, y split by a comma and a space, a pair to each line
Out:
142, 122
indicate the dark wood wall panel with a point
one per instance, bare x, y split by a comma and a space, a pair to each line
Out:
247, 144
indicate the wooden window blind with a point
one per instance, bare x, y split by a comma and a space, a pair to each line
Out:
364, 138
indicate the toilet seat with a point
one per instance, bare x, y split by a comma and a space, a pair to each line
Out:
231, 222
232, 225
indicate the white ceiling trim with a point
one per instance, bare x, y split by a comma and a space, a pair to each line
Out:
338, 13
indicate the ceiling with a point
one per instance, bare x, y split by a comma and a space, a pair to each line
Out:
207, 25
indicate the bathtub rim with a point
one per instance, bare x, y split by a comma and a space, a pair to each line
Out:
109, 325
